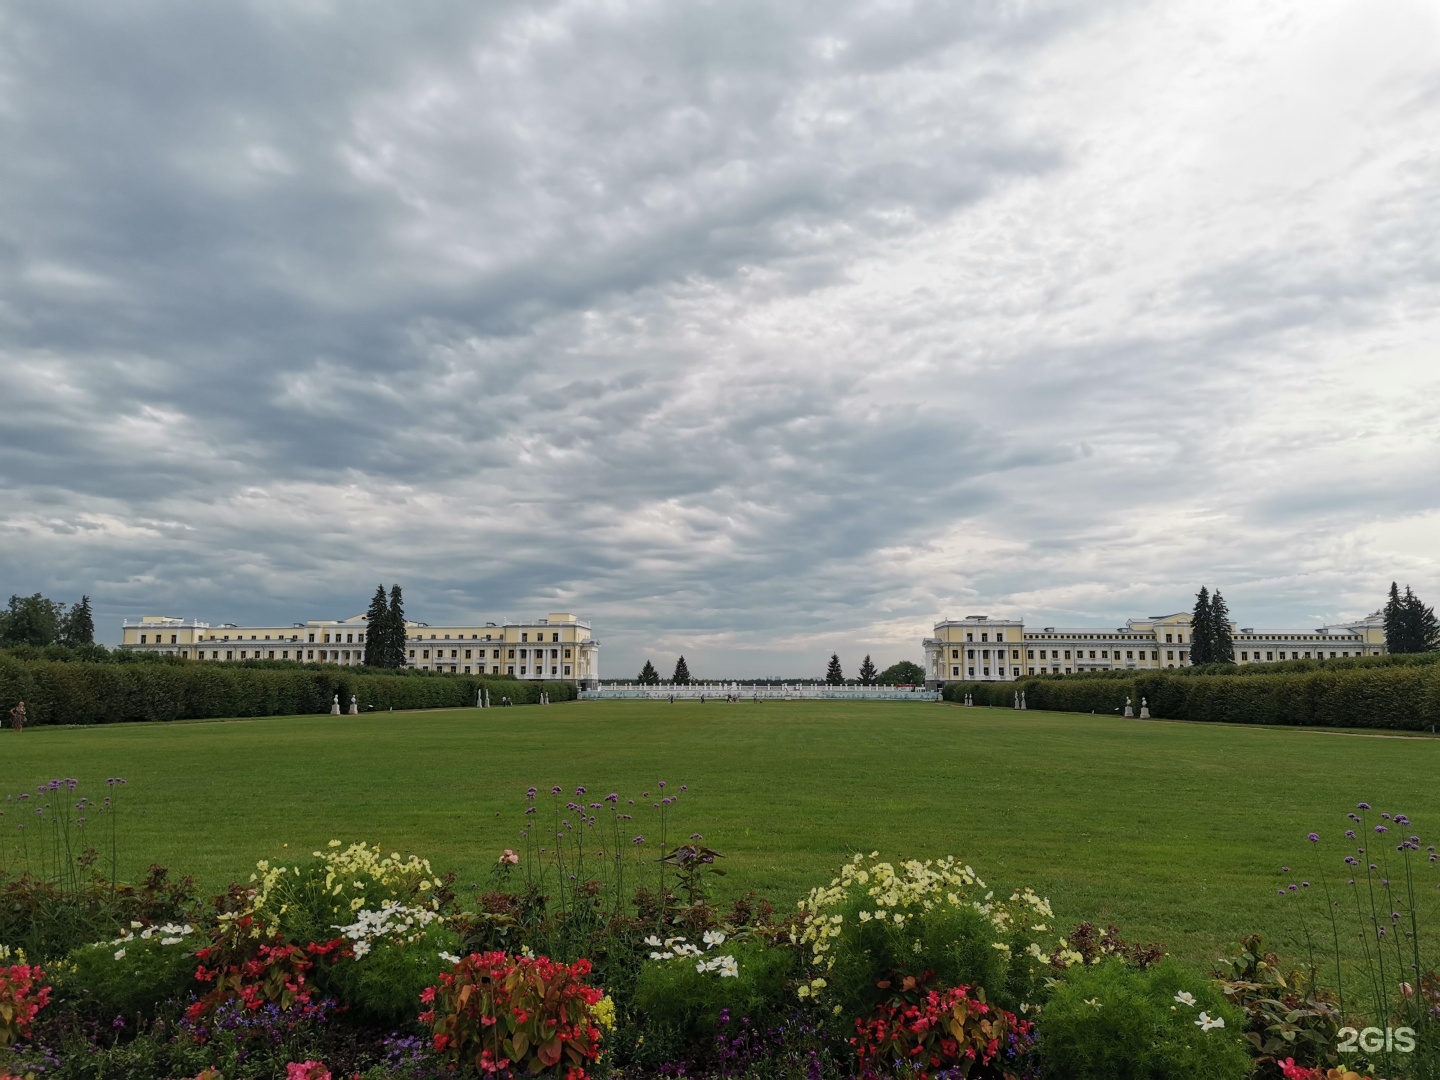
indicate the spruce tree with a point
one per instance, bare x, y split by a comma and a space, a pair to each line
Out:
1421, 629
648, 675
1222, 644
79, 625
867, 670
1395, 621
682, 672
833, 674
377, 630
395, 637
1202, 634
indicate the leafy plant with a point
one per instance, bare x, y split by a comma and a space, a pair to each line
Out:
525, 1014
950, 1031
685, 988
1286, 1015
1110, 1022
23, 993
134, 974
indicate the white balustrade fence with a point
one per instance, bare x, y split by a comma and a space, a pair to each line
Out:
757, 691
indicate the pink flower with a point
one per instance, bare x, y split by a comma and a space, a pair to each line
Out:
508, 858
306, 1070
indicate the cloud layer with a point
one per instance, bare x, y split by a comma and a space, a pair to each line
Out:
748, 331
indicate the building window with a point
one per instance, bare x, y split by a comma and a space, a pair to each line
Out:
311, 654
955, 670
425, 655
1184, 656
522, 669
1170, 654
467, 669
142, 639
555, 637
1032, 671
999, 636
971, 654
970, 637
1129, 654
567, 654
1092, 654
972, 672
242, 654
567, 669
494, 654
1244, 656
1169, 639
270, 655
987, 670
954, 654
511, 656
229, 655
312, 638
172, 639
467, 657
1030, 655
524, 637
412, 654
1067, 654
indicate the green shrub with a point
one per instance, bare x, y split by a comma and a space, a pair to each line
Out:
398, 954
133, 975
876, 924
83, 692
685, 993
1111, 1022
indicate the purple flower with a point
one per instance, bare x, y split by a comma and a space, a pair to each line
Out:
662, 783
612, 798
1351, 860
530, 793
1305, 884
530, 809
638, 840
1350, 833
1314, 838
579, 791
1284, 869
1293, 887
1381, 829
1362, 806
555, 790
696, 836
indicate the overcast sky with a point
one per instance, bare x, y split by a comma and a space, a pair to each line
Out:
752, 331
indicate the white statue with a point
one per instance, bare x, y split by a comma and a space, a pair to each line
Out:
1129, 711
1017, 700
1144, 709
335, 706
1022, 700
354, 706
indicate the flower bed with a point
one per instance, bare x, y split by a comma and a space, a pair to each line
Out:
603, 952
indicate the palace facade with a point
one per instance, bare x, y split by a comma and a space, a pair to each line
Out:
557, 647
978, 648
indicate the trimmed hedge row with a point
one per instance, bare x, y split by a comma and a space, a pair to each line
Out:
1399, 697
80, 693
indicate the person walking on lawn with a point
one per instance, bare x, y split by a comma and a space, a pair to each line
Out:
17, 717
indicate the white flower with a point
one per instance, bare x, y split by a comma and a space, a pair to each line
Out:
714, 938
729, 969
119, 954
361, 948
653, 941
1205, 1023
1094, 1003
1184, 997
449, 958
170, 940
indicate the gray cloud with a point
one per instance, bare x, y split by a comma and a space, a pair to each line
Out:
746, 331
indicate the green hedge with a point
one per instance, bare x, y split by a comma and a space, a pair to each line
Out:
1394, 696
83, 693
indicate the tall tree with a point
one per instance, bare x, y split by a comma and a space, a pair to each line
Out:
905, 673
377, 631
395, 634
867, 670
32, 620
833, 674
1202, 634
682, 672
648, 675
79, 625
1421, 627
1395, 638
1222, 642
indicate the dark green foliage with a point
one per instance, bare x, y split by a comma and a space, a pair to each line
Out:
682, 671
648, 675
833, 674
867, 671
1222, 643
1396, 693
1202, 630
377, 631
672, 996
1410, 625
394, 655
78, 627
148, 974
78, 692
905, 673
1286, 1014
31, 620
383, 987
1110, 1022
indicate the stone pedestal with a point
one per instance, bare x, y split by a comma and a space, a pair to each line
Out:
335, 706
1129, 712
354, 705
1144, 709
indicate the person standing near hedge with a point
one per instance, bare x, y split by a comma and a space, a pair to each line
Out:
17, 717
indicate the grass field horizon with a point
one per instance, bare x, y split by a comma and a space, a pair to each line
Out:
1175, 832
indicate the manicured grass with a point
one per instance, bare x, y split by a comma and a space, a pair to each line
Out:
1175, 832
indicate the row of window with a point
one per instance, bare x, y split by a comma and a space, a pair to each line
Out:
1054, 654
494, 654
495, 669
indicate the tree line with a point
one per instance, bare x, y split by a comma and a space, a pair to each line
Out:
385, 633
903, 673
1410, 626
39, 621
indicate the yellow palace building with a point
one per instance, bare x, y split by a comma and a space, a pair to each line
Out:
980, 648
557, 647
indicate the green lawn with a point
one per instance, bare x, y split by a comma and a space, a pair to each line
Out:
1175, 832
